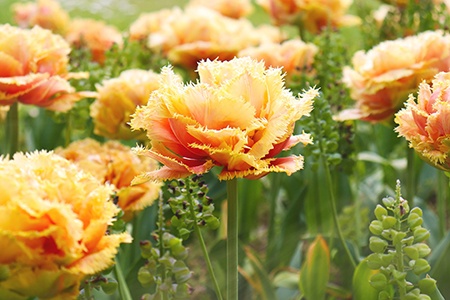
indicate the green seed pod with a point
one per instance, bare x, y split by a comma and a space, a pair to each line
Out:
212, 222
414, 220
109, 286
380, 212
423, 249
384, 295
399, 277
376, 227
388, 222
179, 251
386, 259
397, 237
388, 234
408, 241
417, 210
181, 272
388, 202
421, 234
412, 252
374, 261
427, 285
378, 281
377, 245
421, 266
145, 277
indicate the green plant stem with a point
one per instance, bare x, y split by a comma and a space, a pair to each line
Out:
443, 185
198, 232
232, 240
12, 129
410, 176
399, 255
272, 229
87, 291
123, 288
334, 211
68, 131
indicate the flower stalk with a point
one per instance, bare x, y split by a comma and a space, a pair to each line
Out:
232, 240
12, 129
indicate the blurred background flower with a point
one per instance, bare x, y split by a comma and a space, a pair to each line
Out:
312, 15
95, 35
295, 56
47, 14
53, 229
424, 123
381, 78
117, 99
234, 9
115, 164
35, 69
194, 127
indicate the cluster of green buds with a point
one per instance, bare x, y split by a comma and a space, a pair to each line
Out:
399, 251
165, 274
191, 206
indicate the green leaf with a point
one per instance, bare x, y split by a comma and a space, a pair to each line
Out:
362, 290
315, 272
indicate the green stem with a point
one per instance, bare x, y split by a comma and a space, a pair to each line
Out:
87, 290
442, 202
399, 252
123, 288
271, 245
198, 232
334, 211
232, 240
410, 176
12, 129
68, 131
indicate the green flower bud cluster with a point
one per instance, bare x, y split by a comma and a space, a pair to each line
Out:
398, 249
164, 272
191, 205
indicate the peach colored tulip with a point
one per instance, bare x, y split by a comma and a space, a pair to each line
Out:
148, 23
201, 33
313, 15
118, 98
238, 116
381, 79
34, 69
424, 124
295, 56
95, 35
115, 164
47, 14
53, 229
230, 8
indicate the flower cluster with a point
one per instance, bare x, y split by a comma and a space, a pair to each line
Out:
53, 229
194, 127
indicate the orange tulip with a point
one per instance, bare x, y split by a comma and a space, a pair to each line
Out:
313, 15
117, 99
47, 14
115, 164
34, 69
202, 33
234, 9
238, 116
95, 35
382, 78
424, 124
53, 229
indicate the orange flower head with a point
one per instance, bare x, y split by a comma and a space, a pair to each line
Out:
118, 98
202, 33
238, 116
295, 56
47, 14
424, 124
116, 164
382, 78
53, 229
313, 15
234, 9
34, 69
95, 35
148, 23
